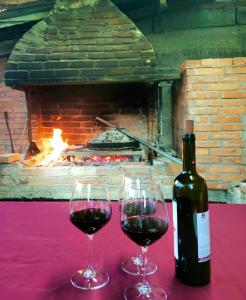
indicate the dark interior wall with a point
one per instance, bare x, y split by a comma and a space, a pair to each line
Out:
209, 30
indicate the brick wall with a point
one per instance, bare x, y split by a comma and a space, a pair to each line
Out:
14, 103
213, 93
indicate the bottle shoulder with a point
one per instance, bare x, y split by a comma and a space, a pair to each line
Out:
190, 192
189, 178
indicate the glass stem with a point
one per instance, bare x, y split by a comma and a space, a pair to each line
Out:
90, 256
144, 265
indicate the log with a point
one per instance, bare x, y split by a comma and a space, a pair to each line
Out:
8, 158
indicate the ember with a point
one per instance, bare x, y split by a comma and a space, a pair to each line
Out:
99, 160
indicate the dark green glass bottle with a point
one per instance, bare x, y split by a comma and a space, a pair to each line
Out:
191, 218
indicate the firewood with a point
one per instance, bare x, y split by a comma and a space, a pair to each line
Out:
9, 157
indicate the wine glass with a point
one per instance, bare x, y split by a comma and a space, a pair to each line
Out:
133, 264
90, 210
144, 227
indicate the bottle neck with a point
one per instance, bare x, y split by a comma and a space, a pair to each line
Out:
188, 154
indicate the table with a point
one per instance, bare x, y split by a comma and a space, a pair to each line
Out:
40, 249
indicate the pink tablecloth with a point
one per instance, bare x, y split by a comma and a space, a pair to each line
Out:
40, 249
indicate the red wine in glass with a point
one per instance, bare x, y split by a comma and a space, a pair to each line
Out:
90, 220
144, 230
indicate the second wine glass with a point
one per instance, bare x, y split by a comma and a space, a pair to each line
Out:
134, 264
144, 219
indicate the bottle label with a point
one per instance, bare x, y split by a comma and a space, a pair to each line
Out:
203, 236
175, 230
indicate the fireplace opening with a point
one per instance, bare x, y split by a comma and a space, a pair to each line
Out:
74, 108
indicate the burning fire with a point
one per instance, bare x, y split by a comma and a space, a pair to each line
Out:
51, 148
57, 144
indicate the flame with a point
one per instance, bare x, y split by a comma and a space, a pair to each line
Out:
51, 148
57, 144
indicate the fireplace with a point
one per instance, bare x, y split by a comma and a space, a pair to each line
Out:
86, 59
74, 108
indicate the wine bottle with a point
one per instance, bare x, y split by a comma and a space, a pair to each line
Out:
191, 218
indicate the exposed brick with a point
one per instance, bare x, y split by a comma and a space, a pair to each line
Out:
42, 74
18, 109
234, 135
223, 169
202, 136
233, 94
197, 87
119, 71
229, 78
234, 177
232, 144
203, 79
207, 71
227, 102
225, 119
205, 95
235, 69
190, 64
16, 75
30, 66
201, 168
207, 127
173, 169
207, 144
223, 86
201, 119
198, 103
202, 151
107, 63
232, 127
232, 160
45, 171
226, 151
208, 159
14, 93
239, 61
233, 110
210, 176
80, 64
213, 62
204, 111
243, 169
55, 65
48, 181
218, 185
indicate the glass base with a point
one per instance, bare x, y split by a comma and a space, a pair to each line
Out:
133, 265
144, 291
89, 279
